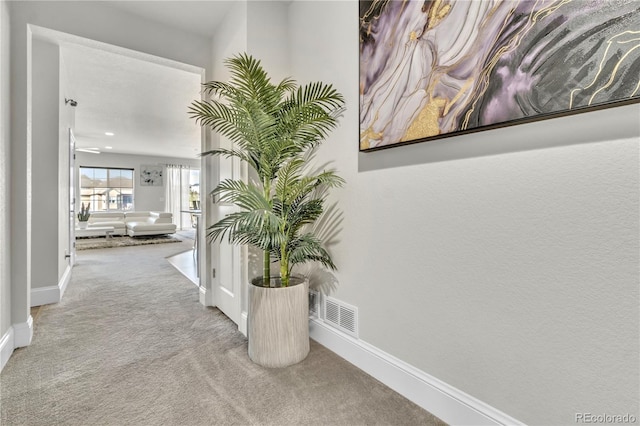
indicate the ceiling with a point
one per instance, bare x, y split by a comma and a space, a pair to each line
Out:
201, 17
143, 103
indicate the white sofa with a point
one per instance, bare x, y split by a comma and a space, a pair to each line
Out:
115, 219
149, 223
134, 223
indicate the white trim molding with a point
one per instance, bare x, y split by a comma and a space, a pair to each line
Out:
23, 333
6, 347
449, 404
45, 295
242, 327
18, 335
64, 280
204, 296
51, 294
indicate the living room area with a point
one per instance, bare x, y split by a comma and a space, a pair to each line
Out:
136, 182
113, 187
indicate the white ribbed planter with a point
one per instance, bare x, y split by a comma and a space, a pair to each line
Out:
278, 324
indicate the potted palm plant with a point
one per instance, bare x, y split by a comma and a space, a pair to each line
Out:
274, 129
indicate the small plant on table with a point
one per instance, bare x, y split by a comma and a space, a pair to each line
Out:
83, 214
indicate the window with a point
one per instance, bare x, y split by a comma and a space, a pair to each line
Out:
106, 188
182, 194
194, 189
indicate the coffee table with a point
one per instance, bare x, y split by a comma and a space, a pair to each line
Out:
95, 231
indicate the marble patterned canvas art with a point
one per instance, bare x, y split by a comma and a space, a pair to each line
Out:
432, 69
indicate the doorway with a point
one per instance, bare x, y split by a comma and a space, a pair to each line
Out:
206, 179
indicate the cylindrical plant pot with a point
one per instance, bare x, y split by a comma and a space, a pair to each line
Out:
82, 224
278, 323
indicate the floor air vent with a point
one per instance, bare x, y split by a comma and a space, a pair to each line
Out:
340, 315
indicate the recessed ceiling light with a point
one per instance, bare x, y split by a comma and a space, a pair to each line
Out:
108, 147
109, 133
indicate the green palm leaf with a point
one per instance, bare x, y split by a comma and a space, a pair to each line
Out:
307, 248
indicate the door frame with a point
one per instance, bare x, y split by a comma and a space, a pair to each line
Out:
72, 199
223, 283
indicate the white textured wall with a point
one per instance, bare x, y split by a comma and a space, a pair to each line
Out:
46, 77
5, 258
20, 165
267, 36
504, 263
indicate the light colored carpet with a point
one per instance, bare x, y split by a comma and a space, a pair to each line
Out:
123, 241
130, 345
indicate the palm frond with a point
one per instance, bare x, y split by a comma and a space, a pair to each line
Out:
243, 195
228, 153
288, 177
311, 112
214, 114
308, 247
321, 94
287, 85
258, 228
218, 88
248, 76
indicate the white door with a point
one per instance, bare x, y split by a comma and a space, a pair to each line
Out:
227, 291
227, 287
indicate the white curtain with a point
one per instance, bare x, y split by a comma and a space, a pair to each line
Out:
177, 194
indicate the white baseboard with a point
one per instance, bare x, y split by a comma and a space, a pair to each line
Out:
6, 347
51, 294
17, 336
64, 281
242, 327
23, 333
45, 295
449, 404
203, 296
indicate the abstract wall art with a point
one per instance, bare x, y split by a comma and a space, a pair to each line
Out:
151, 175
434, 69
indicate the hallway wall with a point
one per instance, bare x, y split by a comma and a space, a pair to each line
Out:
5, 230
505, 262
45, 152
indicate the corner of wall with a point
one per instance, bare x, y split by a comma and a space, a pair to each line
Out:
46, 295
23, 333
6, 347
5, 254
